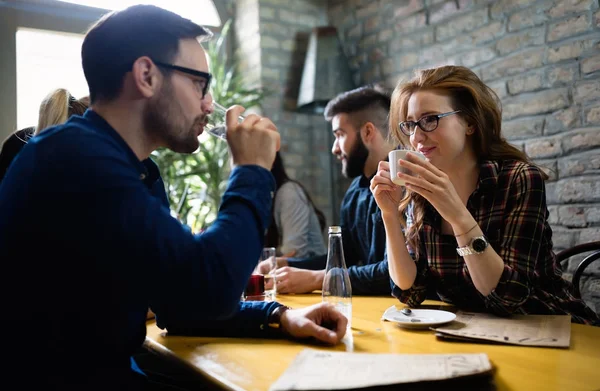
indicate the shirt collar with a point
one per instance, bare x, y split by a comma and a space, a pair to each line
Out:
146, 168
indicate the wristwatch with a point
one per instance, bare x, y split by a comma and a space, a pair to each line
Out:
477, 245
274, 319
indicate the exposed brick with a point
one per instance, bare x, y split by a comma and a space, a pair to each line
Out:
448, 9
589, 235
355, 31
562, 75
591, 64
569, 27
431, 54
388, 67
523, 128
548, 167
579, 164
419, 39
543, 148
566, 7
532, 16
267, 12
592, 115
461, 24
564, 238
514, 64
553, 214
407, 61
288, 45
581, 139
409, 7
376, 55
514, 42
385, 35
271, 73
411, 23
370, 9
526, 83
597, 18
582, 189
367, 42
536, 103
499, 88
572, 216
372, 23
562, 120
501, 8
477, 56
267, 42
592, 214
587, 90
571, 50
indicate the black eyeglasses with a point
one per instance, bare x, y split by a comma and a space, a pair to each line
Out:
202, 82
429, 123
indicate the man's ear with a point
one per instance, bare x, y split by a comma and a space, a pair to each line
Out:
146, 77
368, 132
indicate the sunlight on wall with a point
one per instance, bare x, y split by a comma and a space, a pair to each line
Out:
202, 12
46, 60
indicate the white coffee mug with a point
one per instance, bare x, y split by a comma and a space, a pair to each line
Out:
395, 168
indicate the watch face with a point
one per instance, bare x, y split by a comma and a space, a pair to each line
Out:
479, 245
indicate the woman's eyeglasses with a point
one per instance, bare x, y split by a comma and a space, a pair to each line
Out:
429, 123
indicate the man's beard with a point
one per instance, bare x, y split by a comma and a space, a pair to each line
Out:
356, 159
163, 118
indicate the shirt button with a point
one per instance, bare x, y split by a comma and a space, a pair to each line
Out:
272, 195
142, 176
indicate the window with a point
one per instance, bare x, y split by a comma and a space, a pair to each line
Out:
46, 60
202, 12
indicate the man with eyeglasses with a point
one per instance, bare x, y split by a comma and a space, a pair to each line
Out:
87, 239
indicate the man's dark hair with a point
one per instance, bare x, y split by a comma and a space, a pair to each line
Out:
363, 104
118, 39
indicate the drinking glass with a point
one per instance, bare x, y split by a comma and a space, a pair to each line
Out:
216, 123
262, 285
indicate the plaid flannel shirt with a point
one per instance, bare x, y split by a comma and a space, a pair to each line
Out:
509, 204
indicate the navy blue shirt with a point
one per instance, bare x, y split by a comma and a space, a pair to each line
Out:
88, 243
363, 236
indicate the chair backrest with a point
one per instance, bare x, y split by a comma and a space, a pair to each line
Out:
593, 247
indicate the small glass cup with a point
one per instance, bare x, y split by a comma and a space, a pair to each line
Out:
216, 123
262, 284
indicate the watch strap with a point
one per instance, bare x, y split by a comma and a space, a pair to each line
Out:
273, 323
469, 250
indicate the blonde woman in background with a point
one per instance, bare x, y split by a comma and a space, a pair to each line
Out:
55, 109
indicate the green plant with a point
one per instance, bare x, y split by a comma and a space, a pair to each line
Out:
195, 183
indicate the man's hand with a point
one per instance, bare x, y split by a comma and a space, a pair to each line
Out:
254, 141
264, 266
294, 280
320, 321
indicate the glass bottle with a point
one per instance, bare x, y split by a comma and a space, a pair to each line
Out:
336, 283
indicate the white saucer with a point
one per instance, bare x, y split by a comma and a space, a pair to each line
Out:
418, 318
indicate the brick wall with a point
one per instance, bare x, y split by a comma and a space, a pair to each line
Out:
541, 57
272, 37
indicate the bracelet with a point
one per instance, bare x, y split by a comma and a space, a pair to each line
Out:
464, 233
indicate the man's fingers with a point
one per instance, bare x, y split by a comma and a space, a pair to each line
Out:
232, 114
333, 316
321, 333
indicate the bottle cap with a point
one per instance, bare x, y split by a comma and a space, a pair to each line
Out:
335, 229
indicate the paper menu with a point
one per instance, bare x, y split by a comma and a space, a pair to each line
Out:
527, 330
321, 370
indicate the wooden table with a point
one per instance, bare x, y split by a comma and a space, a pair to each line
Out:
254, 364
